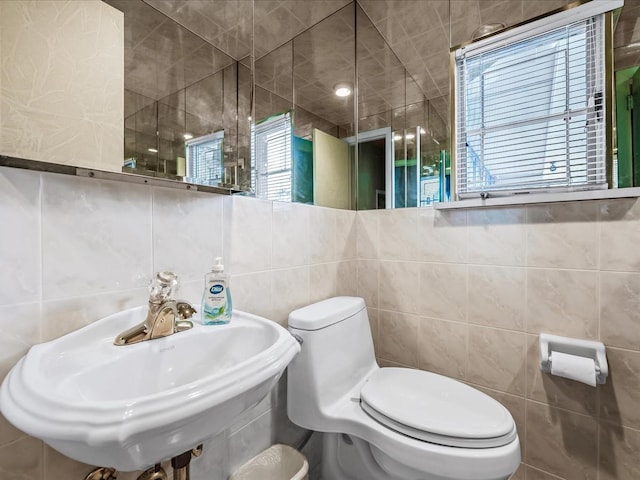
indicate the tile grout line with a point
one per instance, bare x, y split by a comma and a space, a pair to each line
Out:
151, 231
599, 332
41, 255
526, 328
467, 341
41, 296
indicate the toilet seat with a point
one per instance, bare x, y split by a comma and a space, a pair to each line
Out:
436, 409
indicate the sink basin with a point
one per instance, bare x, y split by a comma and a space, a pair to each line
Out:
129, 407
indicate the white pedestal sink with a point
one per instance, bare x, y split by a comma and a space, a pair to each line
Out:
129, 407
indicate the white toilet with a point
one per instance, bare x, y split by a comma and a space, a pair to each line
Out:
389, 423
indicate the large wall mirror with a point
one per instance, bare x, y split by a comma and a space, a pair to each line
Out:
336, 103
187, 90
359, 130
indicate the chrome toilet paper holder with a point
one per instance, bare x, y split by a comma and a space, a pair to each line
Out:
573, 346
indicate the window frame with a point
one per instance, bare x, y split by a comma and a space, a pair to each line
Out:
546, 23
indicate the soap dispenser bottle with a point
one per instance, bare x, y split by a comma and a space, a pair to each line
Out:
216, 298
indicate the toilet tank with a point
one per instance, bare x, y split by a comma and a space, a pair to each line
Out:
336, 354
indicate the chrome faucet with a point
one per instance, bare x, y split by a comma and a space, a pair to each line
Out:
165, 316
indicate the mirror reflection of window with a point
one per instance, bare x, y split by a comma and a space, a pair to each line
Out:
205, 159
272, 157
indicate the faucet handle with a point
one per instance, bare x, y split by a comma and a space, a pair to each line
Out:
162, 287
167, 279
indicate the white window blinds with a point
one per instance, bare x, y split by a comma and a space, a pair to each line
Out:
205, 159
530, 114
272, 156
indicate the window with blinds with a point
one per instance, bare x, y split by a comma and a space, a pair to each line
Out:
271, 154
205, 159
530, 112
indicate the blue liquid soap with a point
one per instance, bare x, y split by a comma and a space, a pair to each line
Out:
216, 298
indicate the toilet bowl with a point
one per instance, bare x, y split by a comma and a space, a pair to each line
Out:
389, 423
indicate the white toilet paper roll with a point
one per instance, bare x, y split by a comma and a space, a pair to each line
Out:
581, 369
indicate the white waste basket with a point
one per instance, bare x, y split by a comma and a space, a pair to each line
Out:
278, 462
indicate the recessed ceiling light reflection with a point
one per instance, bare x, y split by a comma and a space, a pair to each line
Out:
397, 138
153, 150
410, 136
187, 136
342, 89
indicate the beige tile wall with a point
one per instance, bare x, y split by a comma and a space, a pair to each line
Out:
61, 82
465, 293
76, 249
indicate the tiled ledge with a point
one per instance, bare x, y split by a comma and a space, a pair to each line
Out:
540, 198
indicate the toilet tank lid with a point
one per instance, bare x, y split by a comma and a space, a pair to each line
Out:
327, 312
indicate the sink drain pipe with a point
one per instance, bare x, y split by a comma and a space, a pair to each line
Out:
180, 464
